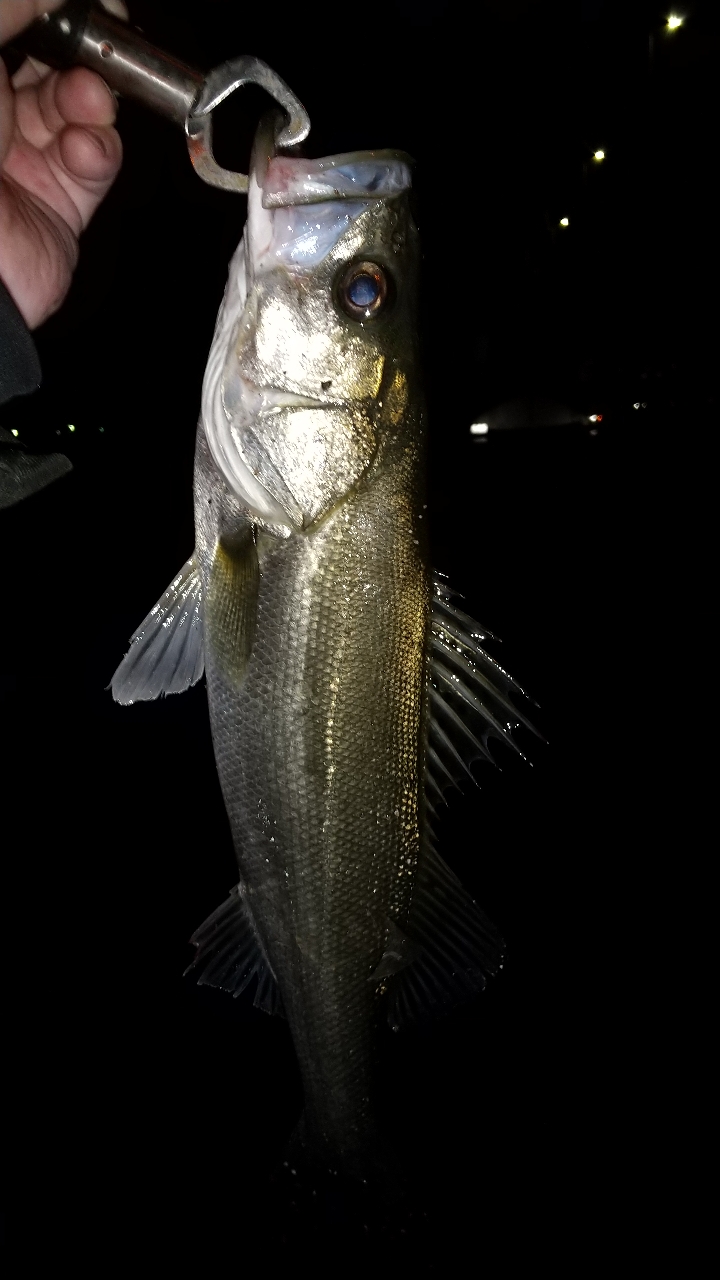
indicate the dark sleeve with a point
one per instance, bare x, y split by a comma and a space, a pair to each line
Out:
19, 364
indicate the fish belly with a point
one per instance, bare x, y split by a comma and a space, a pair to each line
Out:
320, 756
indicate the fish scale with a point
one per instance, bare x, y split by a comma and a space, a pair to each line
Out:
323, 732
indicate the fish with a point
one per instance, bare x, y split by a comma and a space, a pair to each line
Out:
347, 689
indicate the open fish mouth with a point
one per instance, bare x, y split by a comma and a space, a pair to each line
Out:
288, 457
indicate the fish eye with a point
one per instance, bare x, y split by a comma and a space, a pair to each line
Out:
363, 290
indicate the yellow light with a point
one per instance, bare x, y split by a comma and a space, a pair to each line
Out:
674, 22
564, 222
70, 426
599, 155
13, 432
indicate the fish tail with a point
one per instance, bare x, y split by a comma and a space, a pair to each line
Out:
362, 1178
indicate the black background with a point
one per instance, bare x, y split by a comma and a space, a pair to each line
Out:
152, 1110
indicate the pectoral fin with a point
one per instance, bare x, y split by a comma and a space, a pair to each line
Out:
166, 654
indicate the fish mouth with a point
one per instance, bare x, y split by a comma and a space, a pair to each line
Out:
247, 400
273, 398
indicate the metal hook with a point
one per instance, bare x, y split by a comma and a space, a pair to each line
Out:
218, 85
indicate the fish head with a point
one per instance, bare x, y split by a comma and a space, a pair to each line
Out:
315, 347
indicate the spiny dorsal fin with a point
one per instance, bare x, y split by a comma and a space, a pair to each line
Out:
166, 654
458, 948
468, 695
230, 953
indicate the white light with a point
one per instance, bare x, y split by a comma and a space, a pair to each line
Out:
70, 426
674, 22
593, 417
599, 155
13, 432
479, 428
564, 222
636, 405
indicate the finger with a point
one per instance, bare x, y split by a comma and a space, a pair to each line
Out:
83, 162
16, 15
7, 113
92, 158
29, 72
117, 7
80, 96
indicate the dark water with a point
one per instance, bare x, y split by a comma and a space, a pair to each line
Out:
151, 1112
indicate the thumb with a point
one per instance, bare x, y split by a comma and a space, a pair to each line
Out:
16, 15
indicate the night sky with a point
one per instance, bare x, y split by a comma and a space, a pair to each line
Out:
153, 1110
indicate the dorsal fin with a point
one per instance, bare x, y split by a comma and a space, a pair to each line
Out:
456, 947
469, 695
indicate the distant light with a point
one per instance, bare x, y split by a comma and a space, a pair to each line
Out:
564, 222
674, 21
71, 426
599, 155
479, 428
13, 432
636, 404
596, 417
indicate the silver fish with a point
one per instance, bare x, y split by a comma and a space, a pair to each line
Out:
346, 690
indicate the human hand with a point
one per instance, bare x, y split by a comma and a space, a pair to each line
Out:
59, 155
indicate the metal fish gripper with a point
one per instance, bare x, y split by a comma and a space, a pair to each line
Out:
79, 34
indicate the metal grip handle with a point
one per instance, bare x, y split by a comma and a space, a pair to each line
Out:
137, 69
129, 64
